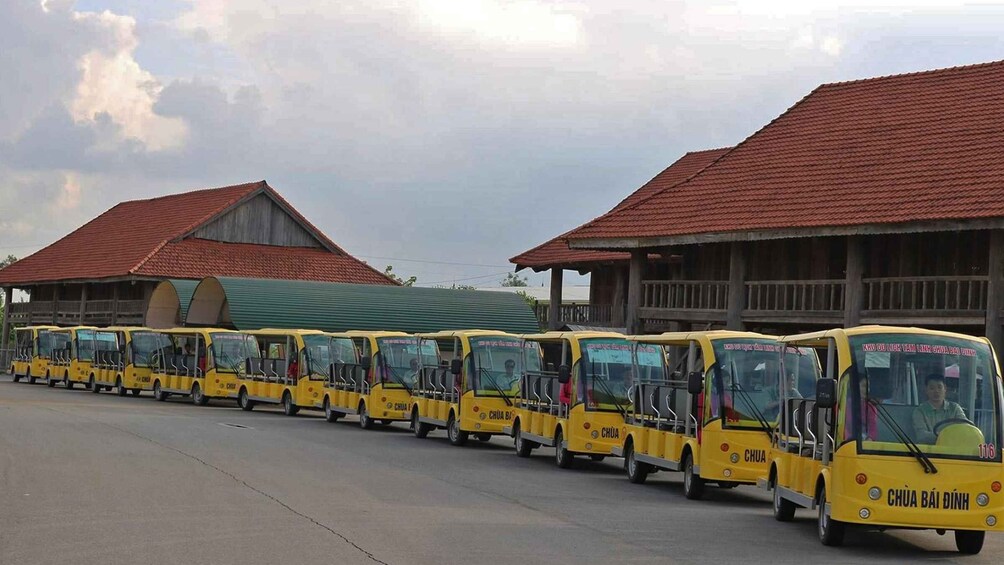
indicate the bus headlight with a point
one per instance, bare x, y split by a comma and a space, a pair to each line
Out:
991, 520
864, 513
874, 493
734, 458
982, 499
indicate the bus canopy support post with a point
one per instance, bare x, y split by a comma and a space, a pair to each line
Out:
995, 290
8, 299
554, 308
636, 270
854, 288
737, 286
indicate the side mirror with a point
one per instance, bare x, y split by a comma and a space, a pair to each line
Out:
456, 366
366, 363
564, 374
695, 382
826, 393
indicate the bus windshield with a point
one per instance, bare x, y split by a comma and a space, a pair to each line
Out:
744, 382
607, 372
937, 392
343, 351
230, 350
318, 353
52, 341
495, 365
145, 344
399, 360
85, 345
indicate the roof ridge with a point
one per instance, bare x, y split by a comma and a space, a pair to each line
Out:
189, 192
912, 74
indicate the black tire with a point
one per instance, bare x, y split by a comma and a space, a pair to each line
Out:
67, 383
365, 422
483, 437
288, 408
329, 414
457, 436
95, 387
693, 484
524, 447
784, 509
31, 379
49, 381
17, 377
243, 401
969, 542
119, 388
198, 397
420, 429
136, 391
831, 532
637, 471
562, 457
158, 393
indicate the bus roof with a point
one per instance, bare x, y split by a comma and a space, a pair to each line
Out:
875, 329
182, 331
464, 333
374, 333
75, 328
127, 329
282, 331
670, 338
29, 328
577, 335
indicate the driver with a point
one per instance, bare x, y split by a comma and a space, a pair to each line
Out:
510, 372
936, 410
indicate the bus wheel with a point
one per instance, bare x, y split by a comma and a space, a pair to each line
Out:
243, 401
31, 379
121, 390
693, 485
784, 509
523, 446
831, 532
158, 394
198, 398
94, 387
49, 382
453, 431
365, 422
288, 408
562, 457
483, 437
17, 377
136, 391
329, 414
67, 383
968, 541
637, 471
420, 429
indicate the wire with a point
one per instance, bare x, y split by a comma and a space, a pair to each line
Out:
432, 262
469, 278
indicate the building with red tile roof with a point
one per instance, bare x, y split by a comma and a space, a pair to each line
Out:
104, 271
870, 201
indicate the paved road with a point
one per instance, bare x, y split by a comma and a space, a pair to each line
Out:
98, 479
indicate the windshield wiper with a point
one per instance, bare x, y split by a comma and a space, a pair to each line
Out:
912, 447
609, 393
749, 404
395, 378
495, 385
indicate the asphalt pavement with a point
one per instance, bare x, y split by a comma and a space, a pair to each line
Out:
97, 479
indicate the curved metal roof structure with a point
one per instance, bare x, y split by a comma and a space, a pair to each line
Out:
168, 304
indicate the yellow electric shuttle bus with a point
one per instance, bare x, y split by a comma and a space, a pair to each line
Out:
377, 387
32, 352
577, 401
291, 370
128, 367
903, 432
472, 393
73, 355
106, 356
712, 424
202, 363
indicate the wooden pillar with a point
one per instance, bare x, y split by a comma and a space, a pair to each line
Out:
995, 290
55, 304
554, 310
854, 294
619, 300
737, 286
115, 303
8, 299
636, 270
83, 302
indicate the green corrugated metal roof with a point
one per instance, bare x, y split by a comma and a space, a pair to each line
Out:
185, 290
261, 303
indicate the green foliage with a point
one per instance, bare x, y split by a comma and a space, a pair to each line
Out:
3, 263
456, 286
410, 281
512, 279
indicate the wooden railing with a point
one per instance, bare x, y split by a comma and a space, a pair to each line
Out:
67, 312
795, 296
926, 293
583, 314
685, 295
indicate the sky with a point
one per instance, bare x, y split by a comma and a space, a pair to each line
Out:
439, 136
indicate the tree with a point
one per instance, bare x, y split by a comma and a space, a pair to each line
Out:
389, 271
512, 279
3, 263
456, 286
